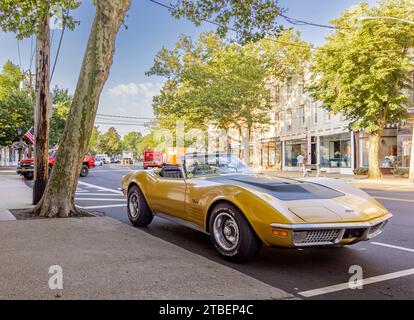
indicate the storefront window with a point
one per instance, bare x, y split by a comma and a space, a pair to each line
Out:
292, 150
335, 151
270, 153
388, 149
404, 145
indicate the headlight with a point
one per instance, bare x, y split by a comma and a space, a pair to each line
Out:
300, 236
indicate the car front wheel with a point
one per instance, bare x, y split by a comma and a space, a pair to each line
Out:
84, 171
232, 235
139, 212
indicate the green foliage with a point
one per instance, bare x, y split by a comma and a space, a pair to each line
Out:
147, 142
10, 78
131, 141
25, 17
253, 19
93, 145
363, 69
361, 171
16, 111
16, 106
401, 172
62, 102
109, 142
211, 81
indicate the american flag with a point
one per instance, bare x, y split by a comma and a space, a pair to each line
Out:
30, 135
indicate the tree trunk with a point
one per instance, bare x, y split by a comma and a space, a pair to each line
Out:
41, 163
245, 135
58, 200
374, 171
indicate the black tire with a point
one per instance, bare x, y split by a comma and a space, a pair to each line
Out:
247, 245
28, 176
139, 212
84, 171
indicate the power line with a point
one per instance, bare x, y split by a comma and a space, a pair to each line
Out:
57, 53
123, 117
297, 21
122, 124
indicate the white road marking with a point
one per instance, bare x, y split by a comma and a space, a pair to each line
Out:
400, 187
99, 188
391, 246
97, 194
99, 199
106, 206
345, 285
394, 199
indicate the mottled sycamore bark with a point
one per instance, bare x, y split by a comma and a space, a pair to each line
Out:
58, 199
41, 165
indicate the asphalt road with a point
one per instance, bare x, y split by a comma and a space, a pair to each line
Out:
387, 262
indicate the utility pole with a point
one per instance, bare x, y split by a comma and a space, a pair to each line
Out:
41, 159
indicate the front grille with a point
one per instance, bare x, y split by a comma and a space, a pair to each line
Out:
317, 236
376, 229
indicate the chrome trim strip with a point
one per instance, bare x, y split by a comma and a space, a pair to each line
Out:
348, 225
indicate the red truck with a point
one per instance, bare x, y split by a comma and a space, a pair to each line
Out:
152, 159
25, 167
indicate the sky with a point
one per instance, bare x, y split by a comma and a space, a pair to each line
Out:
128, 91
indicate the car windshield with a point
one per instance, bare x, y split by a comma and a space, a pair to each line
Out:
52, 153
196, 165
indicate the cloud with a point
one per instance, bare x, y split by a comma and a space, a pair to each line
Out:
128, 99
145, 90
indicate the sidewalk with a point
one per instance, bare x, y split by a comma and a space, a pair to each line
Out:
14, 194
103, 258
386, 180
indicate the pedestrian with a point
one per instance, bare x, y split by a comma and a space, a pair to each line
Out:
300, 160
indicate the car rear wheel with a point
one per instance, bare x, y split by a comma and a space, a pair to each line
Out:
139, 212
232, 235
28, 176
84, 171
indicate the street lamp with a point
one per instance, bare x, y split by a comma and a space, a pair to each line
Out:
411, 174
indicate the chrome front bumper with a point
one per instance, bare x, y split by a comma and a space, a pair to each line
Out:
330, 234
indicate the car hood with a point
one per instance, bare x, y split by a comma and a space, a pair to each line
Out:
310, 201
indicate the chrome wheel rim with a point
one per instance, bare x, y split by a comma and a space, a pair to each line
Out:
134, 205
226, 231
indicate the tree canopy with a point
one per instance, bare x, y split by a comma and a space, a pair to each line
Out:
130, 142
364, 68
16, 106
62, 101
24, 18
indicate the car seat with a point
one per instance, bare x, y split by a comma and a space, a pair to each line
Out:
171, 172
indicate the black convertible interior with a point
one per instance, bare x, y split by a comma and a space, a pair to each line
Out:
171, 172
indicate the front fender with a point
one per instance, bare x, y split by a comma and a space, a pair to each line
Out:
260, 210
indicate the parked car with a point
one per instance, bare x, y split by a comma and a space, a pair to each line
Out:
25, 167
242, 209
115, 160
99, 161
104, 157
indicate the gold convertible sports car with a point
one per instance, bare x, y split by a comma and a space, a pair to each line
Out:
241, 209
